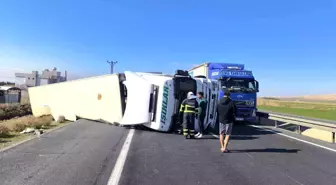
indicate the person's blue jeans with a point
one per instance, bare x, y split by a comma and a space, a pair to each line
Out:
201, 124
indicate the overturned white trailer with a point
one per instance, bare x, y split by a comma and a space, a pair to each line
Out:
131, 98
96, 98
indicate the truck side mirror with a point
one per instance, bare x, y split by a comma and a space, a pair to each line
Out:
257, 85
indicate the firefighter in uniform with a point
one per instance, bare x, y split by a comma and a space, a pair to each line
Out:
189, 108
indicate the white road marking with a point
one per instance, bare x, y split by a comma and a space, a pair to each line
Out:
283, 124
314, 144
214, 135
118, 167
248, 154
294, 179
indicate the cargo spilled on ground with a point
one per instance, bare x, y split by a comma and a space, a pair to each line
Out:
320, 110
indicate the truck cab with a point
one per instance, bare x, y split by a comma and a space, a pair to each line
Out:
159, 97
242, 87
240, 82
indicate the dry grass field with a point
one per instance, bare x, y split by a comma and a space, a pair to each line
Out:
14, 118
322, 110
10, 129
325, 98
19, 124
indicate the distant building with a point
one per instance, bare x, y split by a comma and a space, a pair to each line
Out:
35, 79
10, 94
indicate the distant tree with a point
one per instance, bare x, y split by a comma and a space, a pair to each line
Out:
270, 98
6, 83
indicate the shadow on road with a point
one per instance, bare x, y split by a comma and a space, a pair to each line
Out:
240, 129
267, 150
233, 137
239, 132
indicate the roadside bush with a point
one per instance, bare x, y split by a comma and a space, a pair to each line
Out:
42, 121
14, 125
18, 127
4, 131
19, 124
36, 122
12, 111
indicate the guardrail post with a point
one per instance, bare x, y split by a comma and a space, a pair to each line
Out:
299, 122
298, 129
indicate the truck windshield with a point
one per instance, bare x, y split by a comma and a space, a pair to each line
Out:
239, 84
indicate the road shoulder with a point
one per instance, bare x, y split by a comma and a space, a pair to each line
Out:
297, 137
28, 137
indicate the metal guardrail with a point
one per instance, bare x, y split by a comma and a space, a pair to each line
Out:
300, 122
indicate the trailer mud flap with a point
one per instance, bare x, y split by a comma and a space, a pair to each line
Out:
139, 92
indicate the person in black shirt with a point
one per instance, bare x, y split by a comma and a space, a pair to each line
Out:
226, 110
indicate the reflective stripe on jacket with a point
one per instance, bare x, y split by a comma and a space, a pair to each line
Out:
189, 106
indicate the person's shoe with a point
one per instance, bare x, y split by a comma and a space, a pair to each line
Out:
199, 136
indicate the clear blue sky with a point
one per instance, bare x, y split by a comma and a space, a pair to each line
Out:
290, 45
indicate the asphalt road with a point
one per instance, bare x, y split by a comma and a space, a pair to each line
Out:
82, 153
85, 153
258, 157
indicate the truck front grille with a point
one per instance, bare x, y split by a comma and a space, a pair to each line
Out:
240, 103
243, 113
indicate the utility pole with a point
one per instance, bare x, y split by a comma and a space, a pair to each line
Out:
112, 65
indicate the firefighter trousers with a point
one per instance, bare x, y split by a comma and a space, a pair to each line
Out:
188, 124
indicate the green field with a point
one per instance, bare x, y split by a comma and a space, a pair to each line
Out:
306, 109
321, 114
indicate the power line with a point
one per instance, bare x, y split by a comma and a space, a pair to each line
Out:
112, 64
